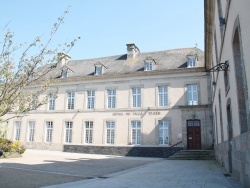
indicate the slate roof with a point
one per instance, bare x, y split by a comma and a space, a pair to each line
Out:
165, 60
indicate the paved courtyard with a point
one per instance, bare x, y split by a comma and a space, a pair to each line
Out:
57, 169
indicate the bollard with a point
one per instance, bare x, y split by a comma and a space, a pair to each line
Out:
1, 152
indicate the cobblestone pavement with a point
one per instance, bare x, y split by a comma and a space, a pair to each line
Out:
58, 170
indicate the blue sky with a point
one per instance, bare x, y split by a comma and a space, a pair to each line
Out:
106, 26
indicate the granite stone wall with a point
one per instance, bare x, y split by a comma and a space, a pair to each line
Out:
240, 157
119, 150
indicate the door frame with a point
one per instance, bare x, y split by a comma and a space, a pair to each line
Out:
198, 121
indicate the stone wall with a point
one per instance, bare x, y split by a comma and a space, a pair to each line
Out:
240, 157
137, 151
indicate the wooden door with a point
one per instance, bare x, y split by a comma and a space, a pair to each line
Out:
193, 134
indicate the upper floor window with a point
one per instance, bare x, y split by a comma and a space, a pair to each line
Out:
71, 100
34, 101
52, 99
149, 64
136, 92
99, 68
192, 62
192, 94
91, 99
111, 98
163, 95
64, 73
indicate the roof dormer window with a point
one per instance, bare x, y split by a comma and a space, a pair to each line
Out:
99, 68
64, 73
149, 64
192, 61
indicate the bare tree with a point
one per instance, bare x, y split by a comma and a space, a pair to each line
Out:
22, 81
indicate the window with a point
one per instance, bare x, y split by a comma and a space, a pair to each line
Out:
192, 62
71, 100
49, 131
91, 99
17, 130
163, 95
31, 130
52, 101
136, 132
110, 127
163, 132
148, 66
111, 98
34, 101
64, 73
88, 132
192, 94
136, 92
98, 70
68, 131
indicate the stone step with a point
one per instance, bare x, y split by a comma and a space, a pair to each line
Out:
193, 155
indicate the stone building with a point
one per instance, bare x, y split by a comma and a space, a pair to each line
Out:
136, 101
227, 44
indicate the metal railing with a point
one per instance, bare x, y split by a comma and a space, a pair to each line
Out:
173, 149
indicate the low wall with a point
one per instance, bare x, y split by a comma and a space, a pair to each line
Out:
138, 151
240, 157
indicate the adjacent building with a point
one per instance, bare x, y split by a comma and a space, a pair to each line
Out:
153, 99
227, 44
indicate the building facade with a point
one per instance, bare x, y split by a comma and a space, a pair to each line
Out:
227, 42
154, 99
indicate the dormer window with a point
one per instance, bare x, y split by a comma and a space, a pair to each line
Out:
99, 68
64, 73
149, 64
192, 60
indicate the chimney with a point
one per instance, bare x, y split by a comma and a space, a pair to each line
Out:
132, 51
64, 58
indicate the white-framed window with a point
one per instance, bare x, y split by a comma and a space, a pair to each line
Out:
163, 136
17, 130
136, 132
52, 99
68, 131
98, 70
31, 131
64, 73
136, 93
192, 62
71, 100
111, 98
192, 94
89, 132
148, 66
34, 101
163, 95
49, 131
110, 132
91, 99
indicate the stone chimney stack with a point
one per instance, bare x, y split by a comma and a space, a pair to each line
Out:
64, 59
132, 51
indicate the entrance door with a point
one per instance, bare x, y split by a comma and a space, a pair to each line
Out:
193, 134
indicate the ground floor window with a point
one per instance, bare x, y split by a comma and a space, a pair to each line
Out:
163, 132
110, 128
49, 131
88, 132
31, 131
136, 132
68, 131
17, 130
